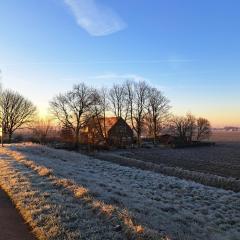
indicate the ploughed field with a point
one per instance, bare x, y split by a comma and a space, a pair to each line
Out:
223, 159
67, 195
225, 136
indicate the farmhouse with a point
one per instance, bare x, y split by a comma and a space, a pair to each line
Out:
111, 130
167, 139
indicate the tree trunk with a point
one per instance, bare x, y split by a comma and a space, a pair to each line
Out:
155, 132
10, 137
139, 138
155, 138
76, 144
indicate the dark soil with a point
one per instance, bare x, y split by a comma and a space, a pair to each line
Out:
223, 159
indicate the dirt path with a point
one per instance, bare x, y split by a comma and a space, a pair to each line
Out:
12, 224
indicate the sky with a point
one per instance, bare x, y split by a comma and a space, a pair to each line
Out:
188, 49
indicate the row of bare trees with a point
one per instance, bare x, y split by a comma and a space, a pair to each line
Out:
136, 102
143, 107
188, 128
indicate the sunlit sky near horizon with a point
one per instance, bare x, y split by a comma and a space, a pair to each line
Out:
189, 49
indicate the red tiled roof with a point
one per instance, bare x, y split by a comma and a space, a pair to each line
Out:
110, 121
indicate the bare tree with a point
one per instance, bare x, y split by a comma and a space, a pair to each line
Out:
41, 128
118, 101
99, 110
16, 112
158, 112
178, 127
203, 129
137, 98
73, 108
184, 127
190, 127
129, 89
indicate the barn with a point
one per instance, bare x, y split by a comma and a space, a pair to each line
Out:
167, 139
113, 131
120, 133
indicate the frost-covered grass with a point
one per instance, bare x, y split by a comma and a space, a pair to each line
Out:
58, 208
84, 195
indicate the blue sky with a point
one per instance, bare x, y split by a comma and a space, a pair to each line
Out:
190, 49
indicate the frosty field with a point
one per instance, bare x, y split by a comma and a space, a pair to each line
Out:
67, 195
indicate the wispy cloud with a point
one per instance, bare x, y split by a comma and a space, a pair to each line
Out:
96, 19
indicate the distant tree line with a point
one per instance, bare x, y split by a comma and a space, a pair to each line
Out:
145, 108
